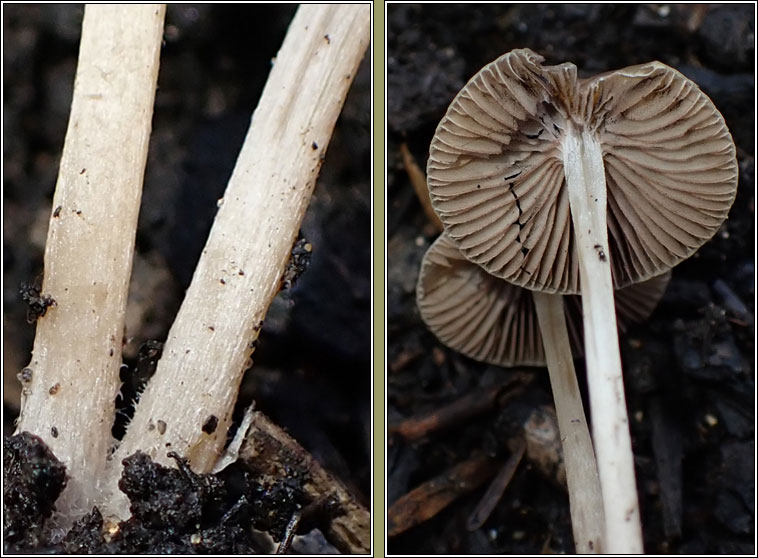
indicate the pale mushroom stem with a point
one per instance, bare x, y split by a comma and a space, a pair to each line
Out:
578, 455
90, 241
240, 270
585, 180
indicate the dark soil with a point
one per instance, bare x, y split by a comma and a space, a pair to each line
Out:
689, 370
31, 474
174, 511
312, 363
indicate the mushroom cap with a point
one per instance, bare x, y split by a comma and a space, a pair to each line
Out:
496, 177
492, 320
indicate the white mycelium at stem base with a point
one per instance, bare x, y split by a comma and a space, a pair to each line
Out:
585, 181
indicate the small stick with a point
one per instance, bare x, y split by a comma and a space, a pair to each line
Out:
496, 488
418, 181
471, 404
667, 450
732, 302
425, 501
405, 358
269, 450
289, 533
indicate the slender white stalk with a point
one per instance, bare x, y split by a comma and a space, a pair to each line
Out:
587, 518
585, 179
88, 256
187, 406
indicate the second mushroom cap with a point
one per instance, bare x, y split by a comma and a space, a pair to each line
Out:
491, 320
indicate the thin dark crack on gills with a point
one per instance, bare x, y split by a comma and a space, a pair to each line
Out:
520, 213
524, 249
518, 206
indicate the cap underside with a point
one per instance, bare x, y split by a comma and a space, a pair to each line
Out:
496, 176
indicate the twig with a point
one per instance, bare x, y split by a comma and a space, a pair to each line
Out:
289, 533
471, 404
732, 302
496, 488
418, 181
667, 450
269, 450
427, 500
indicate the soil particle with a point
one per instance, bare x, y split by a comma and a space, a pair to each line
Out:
173, 510
299, 260
37, 303
162, 497
706, 348
25, 376
205, 512
32, 480
209, 427
86, 534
